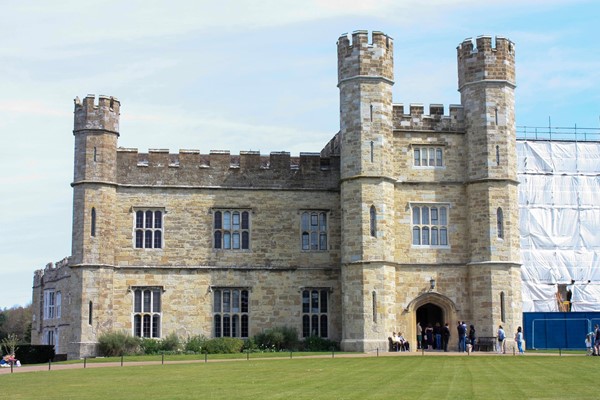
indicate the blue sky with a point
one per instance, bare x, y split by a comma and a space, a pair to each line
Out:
241, 75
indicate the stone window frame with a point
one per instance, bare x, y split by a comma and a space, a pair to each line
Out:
231, 311
423, 224
314, 304
49, 304
436, 150
146, 315
229, 235
148, 234
319, 230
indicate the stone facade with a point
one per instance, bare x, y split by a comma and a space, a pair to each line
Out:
415, 220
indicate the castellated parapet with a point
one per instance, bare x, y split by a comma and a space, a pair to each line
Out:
417, 120
219, 168
485, 62
51, 272
360, 58
101, 116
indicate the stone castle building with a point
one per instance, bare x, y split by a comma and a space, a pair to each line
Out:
404, 217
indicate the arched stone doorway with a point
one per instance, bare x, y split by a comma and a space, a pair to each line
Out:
430, 308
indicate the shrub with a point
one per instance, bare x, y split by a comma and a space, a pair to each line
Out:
150, 346
316, 343
170, 343
250, 345
224, 345
195, 344
113, 344
277, 339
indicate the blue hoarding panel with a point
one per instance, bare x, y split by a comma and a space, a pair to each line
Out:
558, 330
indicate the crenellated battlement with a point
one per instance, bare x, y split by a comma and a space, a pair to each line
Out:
359, 58
220, 168
51, 272
101, 115
483, 61
417, 120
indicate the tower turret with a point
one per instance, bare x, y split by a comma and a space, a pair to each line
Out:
96, 130
365, 79
486, 82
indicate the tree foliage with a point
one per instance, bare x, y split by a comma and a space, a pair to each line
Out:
16, 321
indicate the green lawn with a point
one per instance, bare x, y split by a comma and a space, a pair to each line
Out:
408, 377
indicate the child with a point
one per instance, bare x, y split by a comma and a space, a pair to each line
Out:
589, 338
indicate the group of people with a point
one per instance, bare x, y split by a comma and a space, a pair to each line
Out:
399, 343
9, 360
466, 338
501, 336
433, 337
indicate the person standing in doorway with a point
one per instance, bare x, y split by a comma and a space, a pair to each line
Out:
437, 333
445, 336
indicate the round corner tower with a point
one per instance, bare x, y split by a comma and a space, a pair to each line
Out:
365, 80
96, 130
486, 82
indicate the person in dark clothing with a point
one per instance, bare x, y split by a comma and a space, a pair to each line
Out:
429, 336
472, 336
445, 336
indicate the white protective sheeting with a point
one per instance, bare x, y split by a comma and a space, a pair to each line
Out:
559, 205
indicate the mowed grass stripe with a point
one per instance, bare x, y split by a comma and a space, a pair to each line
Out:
430, 377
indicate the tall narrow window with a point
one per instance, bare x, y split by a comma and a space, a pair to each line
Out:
374, 306
93, 228
373, 217
372, 150
500, 223
95, 154
497, 155
502, 307
90, 312
58, 304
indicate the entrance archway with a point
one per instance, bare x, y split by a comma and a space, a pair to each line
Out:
430, 314
430, 308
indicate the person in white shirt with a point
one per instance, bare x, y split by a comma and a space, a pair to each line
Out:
501, 340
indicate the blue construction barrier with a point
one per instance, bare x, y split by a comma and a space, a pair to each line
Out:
558, 330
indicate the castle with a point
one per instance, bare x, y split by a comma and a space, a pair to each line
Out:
403, 218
